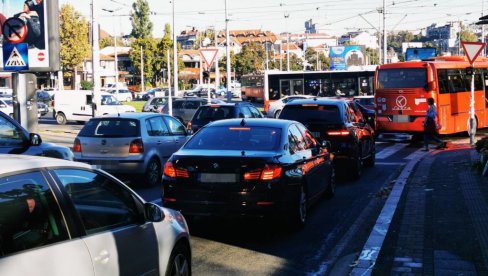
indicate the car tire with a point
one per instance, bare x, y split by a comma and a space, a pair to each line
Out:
61, 118
357, 166
330, 190
153, 173
299, 211
179, 262
277, 114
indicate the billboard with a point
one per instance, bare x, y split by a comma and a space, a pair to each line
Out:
420, 53
34, 23
341, 57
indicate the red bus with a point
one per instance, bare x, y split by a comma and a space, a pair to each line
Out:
252, 87
402, 90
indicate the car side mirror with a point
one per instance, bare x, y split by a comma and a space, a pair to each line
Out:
35, 139
153, 212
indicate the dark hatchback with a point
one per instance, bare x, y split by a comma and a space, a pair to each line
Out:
341, 122
214, 112
249, 167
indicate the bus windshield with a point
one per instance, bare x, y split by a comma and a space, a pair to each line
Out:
402, 78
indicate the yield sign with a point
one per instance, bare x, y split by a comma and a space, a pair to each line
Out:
208, 55
472, 50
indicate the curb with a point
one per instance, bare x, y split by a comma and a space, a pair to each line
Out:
370, 252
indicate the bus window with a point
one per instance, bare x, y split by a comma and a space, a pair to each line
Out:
402, 78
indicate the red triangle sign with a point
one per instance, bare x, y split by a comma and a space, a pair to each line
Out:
208, 55
472, 50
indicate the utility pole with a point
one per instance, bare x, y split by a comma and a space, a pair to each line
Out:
170, 100
142, 71
287, 43
217, 71
116, 66
95, 59
175, 56
384, 32
227, 49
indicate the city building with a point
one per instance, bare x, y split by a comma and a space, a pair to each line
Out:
359, 38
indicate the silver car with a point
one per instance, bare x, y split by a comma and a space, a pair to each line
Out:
130, 143
275, 107
61, 217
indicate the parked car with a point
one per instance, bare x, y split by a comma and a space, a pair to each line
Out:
14, 139
340, 122
214, 112
130, 143
202, 92
365, 101
249, 167
112, 86
44, 97
121, 95
154, 104
42, 108
275, 107
65, 218
6, 106
151, 93
184, 108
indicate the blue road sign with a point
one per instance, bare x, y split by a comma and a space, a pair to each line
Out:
15, 57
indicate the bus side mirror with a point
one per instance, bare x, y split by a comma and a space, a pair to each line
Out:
432, 85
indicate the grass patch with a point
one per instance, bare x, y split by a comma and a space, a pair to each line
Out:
136, 104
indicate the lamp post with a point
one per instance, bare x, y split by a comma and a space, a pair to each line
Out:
287, 15
115, 56
95, 58
227, 48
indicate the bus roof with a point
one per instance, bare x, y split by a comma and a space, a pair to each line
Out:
367, 68
438, 62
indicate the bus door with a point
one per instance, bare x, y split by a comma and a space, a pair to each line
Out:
291, 87
366, 86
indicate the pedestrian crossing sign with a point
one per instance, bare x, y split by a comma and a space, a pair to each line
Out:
15, 57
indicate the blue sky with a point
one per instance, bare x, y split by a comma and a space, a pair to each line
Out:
332, 16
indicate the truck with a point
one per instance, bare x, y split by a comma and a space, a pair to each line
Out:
76, 105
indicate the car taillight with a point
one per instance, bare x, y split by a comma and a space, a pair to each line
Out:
136, 146
77, 146
189, 125
270, 172
170, 171
340, 132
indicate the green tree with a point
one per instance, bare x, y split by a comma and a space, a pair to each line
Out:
142, 26
373, 56
296, 63
73, 34
250, 59
165, 44
223, 62
311, 56
149, 46
467, 35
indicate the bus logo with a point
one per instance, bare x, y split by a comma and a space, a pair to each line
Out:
401, 103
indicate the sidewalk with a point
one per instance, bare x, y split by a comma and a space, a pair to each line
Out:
440, 226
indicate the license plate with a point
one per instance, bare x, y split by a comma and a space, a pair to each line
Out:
400, 118
316, 134
105, 164
218, 177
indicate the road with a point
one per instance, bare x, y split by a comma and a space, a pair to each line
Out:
336, 229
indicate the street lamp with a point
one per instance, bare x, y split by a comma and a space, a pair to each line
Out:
287, 43
95, 58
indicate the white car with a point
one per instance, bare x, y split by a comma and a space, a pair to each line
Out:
122, 95
66, 218
275, 107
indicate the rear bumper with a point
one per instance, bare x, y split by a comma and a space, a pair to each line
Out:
135, 166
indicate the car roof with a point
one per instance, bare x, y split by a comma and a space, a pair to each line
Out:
253, 122
324, 101
11, 163
131, 115
228, 104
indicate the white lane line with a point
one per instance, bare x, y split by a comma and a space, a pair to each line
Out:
389, 151
415, 154
390, 163
371, 250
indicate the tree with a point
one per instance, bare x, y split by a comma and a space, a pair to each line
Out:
73, 35
250, 59
373, 56
149, 46
141, 24
467, 35
223, 62
311, 56
296, 63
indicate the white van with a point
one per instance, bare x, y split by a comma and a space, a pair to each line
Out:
76, 105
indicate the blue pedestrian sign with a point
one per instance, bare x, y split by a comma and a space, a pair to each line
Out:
15, 57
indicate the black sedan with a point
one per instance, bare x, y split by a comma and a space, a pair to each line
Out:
249, 167
341, 122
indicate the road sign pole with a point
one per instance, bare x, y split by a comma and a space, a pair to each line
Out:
472, 122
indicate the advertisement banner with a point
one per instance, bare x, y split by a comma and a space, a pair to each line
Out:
32, 22
342, 57
420, 53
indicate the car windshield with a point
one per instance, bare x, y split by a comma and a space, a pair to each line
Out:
109, 100
213, 113
110, 127
308, 113
402, 78
236, 138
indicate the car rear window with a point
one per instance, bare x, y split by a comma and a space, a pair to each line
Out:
307, 113
111, 127
236, 138
206, 114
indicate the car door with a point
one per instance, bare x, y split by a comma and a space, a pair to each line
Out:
13, 139
119, 240
363, 130
33, 231
159, 138
178, 132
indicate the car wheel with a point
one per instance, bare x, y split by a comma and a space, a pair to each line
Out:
330, 191
153, 173
61, 118
357, 166
299, 213
180, 261
277, 114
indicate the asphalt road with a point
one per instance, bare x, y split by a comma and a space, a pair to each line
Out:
336, 229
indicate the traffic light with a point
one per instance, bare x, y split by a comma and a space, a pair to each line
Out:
206, 75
